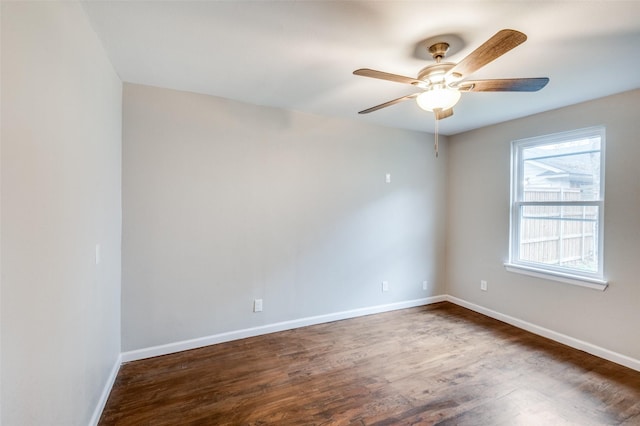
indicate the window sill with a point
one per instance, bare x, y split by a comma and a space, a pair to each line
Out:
592, 283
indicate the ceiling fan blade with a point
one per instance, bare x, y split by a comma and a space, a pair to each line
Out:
502, 42
366, 72
443, 113
504, 85
386, 104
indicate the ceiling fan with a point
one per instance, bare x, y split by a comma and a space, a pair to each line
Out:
441, 83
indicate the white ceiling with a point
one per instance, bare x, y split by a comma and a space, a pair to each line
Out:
300, 55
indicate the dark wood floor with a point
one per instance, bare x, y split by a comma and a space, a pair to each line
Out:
440, 364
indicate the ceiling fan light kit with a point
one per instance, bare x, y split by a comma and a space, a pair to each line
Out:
438, 97
442, 83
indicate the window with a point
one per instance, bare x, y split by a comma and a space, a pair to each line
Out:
557, 203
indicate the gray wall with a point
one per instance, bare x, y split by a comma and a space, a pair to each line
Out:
478, 227
61, 180
225, 202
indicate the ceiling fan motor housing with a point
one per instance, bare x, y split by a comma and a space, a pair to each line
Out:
434, 74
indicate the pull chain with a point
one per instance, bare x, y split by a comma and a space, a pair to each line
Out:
435, 144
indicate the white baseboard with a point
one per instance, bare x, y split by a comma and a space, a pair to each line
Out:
271, 328
320, 319
550, 334
106, 391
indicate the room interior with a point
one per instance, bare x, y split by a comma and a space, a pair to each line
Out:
166, 164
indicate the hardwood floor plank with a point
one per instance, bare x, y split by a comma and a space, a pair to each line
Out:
439, 364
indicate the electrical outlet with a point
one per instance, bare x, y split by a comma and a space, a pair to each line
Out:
483, 285
385, 285
257, 305
424, 285
387, 178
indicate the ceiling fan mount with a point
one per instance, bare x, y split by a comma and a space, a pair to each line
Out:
439, 50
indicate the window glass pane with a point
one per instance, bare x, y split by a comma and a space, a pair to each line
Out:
575, 146
563, 236
567, 171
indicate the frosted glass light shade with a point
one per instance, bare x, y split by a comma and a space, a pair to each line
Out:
438, 97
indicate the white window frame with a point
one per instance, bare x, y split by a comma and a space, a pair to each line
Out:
593, 280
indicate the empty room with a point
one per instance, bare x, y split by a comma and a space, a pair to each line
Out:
319, 212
